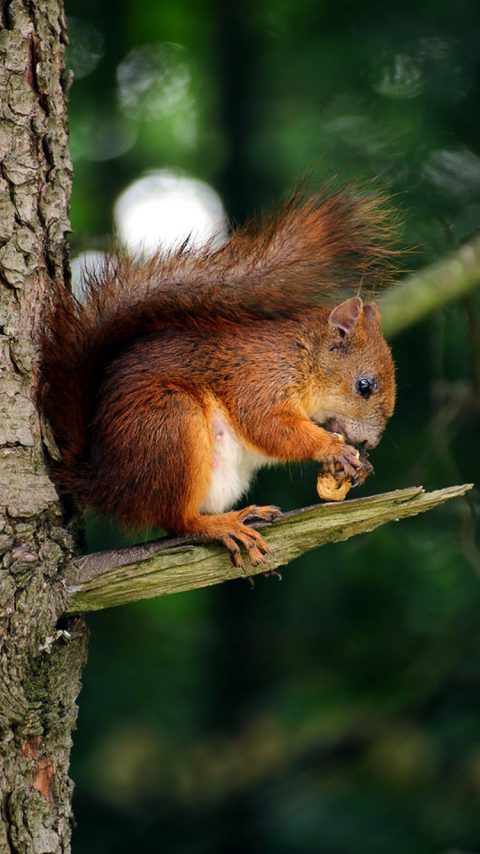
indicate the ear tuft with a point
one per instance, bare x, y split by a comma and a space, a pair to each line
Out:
372, 311
344, 317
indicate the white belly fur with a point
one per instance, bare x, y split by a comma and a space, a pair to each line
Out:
233, 466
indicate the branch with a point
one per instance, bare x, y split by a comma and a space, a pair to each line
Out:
172, 565
431, 289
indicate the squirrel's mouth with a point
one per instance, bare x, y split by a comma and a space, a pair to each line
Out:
333, 425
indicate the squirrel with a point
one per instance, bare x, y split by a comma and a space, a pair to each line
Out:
180, 374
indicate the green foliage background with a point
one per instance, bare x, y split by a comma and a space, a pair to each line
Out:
336, 712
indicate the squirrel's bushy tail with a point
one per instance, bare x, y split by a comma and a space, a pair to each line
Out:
310, 252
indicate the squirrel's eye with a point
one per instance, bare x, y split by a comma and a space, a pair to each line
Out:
365, 386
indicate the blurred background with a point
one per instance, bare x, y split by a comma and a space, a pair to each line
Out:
339, 710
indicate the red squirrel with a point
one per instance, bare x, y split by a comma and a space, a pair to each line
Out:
181, 374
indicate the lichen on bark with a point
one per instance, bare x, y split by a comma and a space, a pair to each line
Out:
40, 660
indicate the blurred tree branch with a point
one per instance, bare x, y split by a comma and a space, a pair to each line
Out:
116, 577
431, 288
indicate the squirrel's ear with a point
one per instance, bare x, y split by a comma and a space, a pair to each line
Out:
344, 317
372, 311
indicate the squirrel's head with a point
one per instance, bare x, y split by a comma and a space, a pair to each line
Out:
357, 376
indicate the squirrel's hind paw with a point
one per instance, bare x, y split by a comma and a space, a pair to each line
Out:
230, 530
260, 514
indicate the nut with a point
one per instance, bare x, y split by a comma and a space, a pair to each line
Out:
332, 489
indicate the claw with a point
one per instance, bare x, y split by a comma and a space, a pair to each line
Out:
233, 548
273, 573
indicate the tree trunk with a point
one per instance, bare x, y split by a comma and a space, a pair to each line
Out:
40, 660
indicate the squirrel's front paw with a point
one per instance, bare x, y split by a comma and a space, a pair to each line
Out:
343, 461
343, 469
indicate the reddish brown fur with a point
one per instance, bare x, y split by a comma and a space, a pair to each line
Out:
132, 376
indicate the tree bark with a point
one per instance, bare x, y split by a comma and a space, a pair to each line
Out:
40, 659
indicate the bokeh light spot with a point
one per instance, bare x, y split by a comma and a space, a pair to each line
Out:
162, 209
